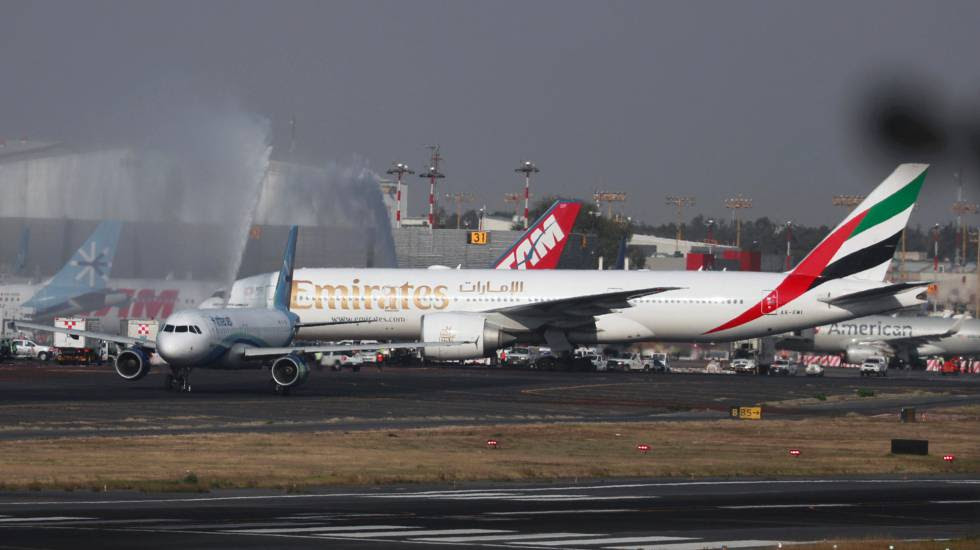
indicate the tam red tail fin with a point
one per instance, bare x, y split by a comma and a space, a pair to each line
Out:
540, 247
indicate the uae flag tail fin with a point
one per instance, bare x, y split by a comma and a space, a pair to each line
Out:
863, 245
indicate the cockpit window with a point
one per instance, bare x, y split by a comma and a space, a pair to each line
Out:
195, 330
168, 328
181, 328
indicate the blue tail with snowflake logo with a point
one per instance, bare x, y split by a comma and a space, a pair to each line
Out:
85, 273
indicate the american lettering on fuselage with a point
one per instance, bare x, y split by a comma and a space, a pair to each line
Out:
870, 329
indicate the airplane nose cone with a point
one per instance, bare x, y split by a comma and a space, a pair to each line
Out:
168, 349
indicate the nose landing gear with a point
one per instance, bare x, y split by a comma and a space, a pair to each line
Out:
179, 380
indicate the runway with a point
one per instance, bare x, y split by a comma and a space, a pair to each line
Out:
621, 514
52, 401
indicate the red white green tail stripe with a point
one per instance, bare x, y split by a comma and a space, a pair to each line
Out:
861, 247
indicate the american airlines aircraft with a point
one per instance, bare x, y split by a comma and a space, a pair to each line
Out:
462, 314
905, 338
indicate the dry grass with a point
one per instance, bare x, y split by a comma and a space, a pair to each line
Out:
724, 448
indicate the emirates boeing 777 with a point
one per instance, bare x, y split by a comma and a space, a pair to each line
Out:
461, 314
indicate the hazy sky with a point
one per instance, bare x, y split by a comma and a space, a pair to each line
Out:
709, 99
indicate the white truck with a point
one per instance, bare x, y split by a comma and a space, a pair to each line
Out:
29, 349
876, 365
629, 361
337, 360
74, 350
659, 361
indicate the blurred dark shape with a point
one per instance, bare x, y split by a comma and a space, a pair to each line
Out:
904, 119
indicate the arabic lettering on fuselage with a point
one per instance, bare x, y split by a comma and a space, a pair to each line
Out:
487, 287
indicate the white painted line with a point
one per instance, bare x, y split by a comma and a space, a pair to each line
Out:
778, 506
563, 488
702, 545
147, 521
335, 528
455, 496
954, 501
416, 533
502, 538
563, 498
39, 519
222, 526
570, 512
605, 541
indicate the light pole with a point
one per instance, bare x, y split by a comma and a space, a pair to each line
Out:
736, 203
789, 238
399, 169
935, 248
679, 203
527, 168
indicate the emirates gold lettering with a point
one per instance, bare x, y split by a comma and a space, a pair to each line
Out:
356, 296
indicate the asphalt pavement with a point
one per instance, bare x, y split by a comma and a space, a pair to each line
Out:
620, 514
52, 401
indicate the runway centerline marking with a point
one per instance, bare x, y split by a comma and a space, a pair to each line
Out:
415, 533
607, 540
954, 501
331, 529
702, 545
38, 519
503, 538
754, 506
562, 488
549, 512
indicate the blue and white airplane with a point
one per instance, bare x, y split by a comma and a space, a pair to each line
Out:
228, 339
80, 286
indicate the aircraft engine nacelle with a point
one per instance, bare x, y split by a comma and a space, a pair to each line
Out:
290, 371
858, 354
483, 336
132, 364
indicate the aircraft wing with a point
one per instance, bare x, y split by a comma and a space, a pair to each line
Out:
917, 340
252, 353
589, 305
125, 340
881, 292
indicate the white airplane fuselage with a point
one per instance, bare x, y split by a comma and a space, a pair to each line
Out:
392, 302
892, 331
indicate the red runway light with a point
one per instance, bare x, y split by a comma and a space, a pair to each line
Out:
949, 458
643, 447
794, 452
492, 443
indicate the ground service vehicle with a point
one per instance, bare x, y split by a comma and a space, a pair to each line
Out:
630, 362
29, 349
659, 361
814, 369
875, 366
336, 360
745, 365
783, 367
73, 350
